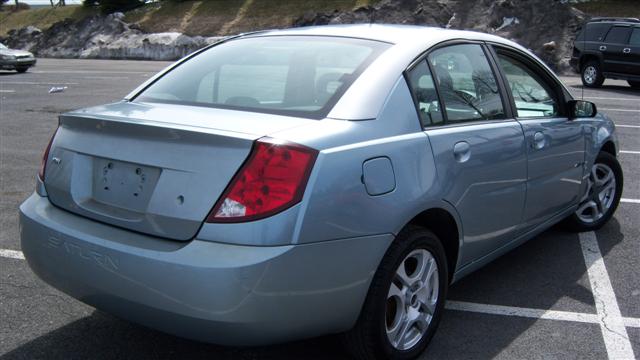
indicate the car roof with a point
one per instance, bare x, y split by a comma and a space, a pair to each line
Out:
623, 23
390, 33
613, 20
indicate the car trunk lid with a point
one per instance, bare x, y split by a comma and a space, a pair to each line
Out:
156, 169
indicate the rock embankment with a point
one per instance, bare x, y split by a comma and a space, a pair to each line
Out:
547, 27
104, 37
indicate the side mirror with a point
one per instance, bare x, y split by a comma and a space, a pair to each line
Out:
581, 109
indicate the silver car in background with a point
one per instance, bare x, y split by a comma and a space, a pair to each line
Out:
288, 184
18, 60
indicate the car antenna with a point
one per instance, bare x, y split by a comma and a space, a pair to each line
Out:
584, 48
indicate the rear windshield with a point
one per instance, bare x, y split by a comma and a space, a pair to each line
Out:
289, 75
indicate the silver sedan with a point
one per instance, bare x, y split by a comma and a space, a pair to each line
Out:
326, 180
18, 60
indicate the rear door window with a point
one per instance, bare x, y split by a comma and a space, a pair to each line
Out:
289, 75
467, 86
618, 35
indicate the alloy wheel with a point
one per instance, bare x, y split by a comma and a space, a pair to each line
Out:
590, 74
412, 299
601, 191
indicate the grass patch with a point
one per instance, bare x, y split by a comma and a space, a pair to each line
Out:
616, 8
41, 18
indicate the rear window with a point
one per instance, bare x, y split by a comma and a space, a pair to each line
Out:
289, 75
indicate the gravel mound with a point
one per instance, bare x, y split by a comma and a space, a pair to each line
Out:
547, 27
104, 37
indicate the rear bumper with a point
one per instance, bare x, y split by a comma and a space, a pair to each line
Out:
213, 292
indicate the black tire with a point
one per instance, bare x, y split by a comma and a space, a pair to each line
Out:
591, 74
634, 84
22, 69
575, 223
368, 339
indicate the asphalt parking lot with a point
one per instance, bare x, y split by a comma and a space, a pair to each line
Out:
561, 295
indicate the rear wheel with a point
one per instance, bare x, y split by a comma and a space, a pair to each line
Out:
634, 84
405, 300
592, 75
604, 188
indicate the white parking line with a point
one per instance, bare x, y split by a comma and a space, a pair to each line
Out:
522, 312
579, 96
633, 201
629, 152
93, 72
628, 126
532, 313
609, 98
11, 254
37, 83
632, 322
622, 110
106, 77
7, 91
612, 324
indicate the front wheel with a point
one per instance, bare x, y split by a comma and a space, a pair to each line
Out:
22, 69
634, 84
604, 188
405, 300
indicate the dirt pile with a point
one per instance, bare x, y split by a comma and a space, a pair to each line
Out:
547, 27
104, 37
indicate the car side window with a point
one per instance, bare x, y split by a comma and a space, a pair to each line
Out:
635, 37
531, 94
425, 96
466, 83
618, 35
594, 32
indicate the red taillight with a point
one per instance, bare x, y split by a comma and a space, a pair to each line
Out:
45, 156
271, 180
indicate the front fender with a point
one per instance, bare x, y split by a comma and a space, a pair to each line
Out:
598, 131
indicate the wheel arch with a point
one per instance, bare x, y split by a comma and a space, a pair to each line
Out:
609, 147
586, 57
447, 228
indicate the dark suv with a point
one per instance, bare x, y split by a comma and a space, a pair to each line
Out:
608, 48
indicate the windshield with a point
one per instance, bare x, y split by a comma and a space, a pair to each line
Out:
289, 75
2, 46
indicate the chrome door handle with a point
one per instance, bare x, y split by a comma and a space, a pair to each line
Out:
461, 151
603, 48
626, 50
538, 140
